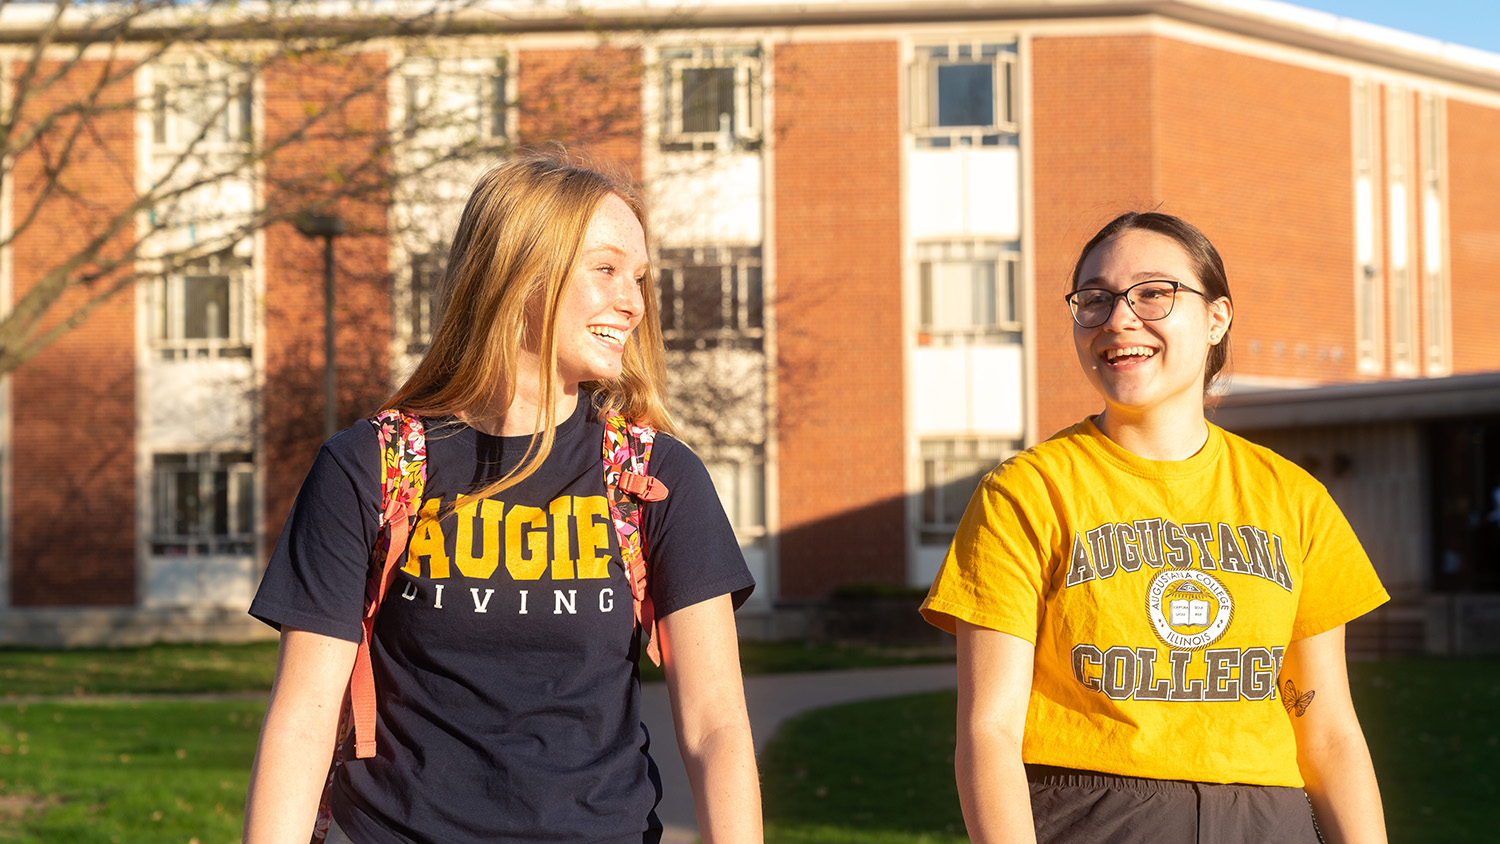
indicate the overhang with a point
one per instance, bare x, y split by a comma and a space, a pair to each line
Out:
1344, 404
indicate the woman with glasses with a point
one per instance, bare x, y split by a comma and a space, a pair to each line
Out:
1150, 610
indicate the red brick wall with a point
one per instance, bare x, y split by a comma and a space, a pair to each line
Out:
72, 448
589, 99
1253, 152
1258, 155
838, 309
1094, 133
336, 164
1474, 234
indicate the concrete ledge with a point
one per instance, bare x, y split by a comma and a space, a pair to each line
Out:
113, 627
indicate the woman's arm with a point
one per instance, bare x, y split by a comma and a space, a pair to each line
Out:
296, 740
701, 654
994, 686
1331, 750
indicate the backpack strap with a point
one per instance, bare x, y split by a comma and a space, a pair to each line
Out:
627, 456
403, 450
403, 474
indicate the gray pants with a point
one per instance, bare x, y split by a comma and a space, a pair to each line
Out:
1073, 806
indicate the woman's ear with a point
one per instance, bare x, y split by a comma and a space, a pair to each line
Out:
1220, 316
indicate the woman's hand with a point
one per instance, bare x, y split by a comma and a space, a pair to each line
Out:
994, 686
1331, 750
701, 654
296, 740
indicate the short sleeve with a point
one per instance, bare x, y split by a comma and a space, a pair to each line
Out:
1338, 582
995, 572
315, 579
691, 549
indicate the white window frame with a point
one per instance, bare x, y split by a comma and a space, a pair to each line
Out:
737, 265
167, 306
744, 129
1401, 278
1432, 122
238, 469
946, 462
189, 96
739, 476
441, 95
927, 64
421, 307
1369, 299
1005, 257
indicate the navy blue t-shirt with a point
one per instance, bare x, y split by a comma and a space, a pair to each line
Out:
505, 654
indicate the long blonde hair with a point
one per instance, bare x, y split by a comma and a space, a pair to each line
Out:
517, 244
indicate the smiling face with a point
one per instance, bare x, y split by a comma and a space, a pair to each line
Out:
1140, 367
602, 300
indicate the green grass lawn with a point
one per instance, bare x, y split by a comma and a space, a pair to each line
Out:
882, 771
177, 669
168, 772
879, 772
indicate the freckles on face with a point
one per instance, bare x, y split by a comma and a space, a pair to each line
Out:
602, 302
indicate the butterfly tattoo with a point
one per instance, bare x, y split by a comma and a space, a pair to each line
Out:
1292, 702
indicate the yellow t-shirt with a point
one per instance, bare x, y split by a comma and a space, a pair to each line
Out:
1160, 596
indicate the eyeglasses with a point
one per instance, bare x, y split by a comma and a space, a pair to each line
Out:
1149, 300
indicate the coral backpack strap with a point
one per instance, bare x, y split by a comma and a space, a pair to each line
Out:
403, 474
627, 456
403, 450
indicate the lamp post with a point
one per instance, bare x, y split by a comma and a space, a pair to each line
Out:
328, 227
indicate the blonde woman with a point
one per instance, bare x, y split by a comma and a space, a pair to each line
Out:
505, 653
1150, 610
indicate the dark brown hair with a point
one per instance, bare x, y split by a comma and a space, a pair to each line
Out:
1208, 268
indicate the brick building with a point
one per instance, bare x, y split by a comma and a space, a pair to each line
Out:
864, 217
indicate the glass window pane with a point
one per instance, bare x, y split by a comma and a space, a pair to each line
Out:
726, 482
667, 286
755, 304
184, 504
952, 294
966, 94
244, 502
983, 313
707, 92
205, 307
702, 299
755, 496
220, 489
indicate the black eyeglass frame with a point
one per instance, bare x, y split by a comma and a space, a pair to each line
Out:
1177, 286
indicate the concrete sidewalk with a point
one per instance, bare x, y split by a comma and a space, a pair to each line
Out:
771, 700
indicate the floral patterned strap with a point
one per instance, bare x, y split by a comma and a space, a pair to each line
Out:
627, 456
403, 474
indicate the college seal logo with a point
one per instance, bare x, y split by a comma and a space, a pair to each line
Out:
1190, 609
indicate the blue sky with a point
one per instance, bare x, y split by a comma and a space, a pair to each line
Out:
1472, 23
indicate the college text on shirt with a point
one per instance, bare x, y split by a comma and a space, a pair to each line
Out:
1187, 606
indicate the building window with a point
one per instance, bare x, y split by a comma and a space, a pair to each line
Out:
711, 297
423, 305
1402, 295
202, 310
1434, 234
203, 503
739, 476
967, 293
1368, 299
712, 97
452, 101
963, 95
951, 471
199, 105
